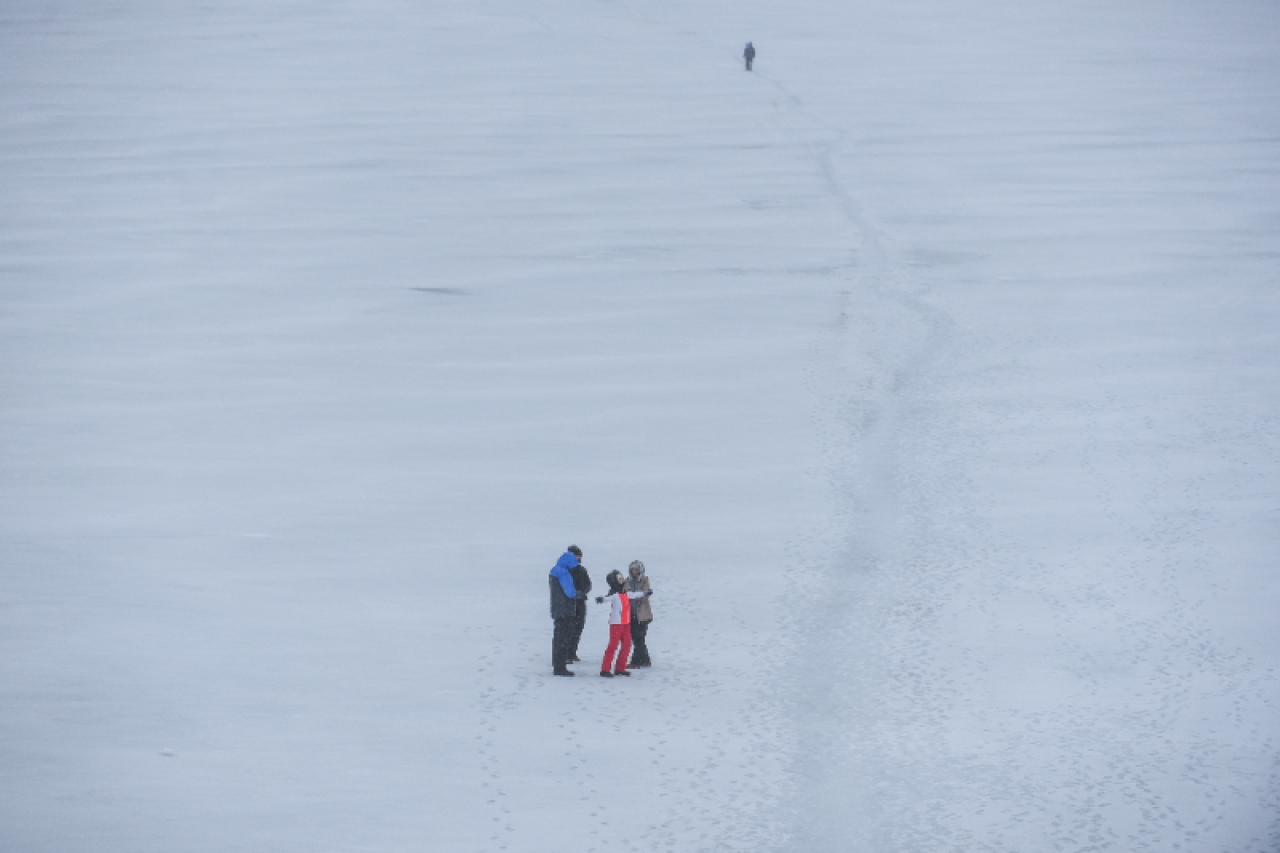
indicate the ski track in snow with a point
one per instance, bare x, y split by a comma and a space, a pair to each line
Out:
878, 765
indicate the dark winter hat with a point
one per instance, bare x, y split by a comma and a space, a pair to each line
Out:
616, 583
576, 551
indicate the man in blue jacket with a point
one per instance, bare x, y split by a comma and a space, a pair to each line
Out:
564, 607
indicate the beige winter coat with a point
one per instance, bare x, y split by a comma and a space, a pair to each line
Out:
640, 608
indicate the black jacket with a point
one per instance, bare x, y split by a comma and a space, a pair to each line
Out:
581, 581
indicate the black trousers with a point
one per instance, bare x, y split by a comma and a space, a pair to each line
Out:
639, 651
748, 64
579, 622
560, 642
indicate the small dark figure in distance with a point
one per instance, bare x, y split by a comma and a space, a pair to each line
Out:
749, 54
619, 625
564, 608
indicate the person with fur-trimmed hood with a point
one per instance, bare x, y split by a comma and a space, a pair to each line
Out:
615, 656
641, 615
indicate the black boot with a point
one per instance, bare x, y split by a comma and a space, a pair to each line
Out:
604, 673
563, 672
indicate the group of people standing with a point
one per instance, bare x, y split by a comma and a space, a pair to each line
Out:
629, 615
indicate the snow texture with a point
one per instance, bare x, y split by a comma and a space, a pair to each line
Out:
931, 368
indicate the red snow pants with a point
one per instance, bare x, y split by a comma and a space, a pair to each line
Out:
619, 635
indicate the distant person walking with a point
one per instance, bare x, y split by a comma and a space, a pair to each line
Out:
582, 583
615, 656
564, 608
641, 615
749, 54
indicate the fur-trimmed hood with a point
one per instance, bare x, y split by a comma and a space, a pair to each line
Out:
641, 608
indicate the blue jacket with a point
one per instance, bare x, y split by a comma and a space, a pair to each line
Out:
563, 593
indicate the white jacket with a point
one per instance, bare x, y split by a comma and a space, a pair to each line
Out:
620, 606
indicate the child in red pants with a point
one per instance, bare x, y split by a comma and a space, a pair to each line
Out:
619, 625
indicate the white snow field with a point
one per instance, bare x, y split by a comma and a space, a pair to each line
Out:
933, 369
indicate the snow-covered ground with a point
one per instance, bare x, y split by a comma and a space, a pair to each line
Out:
932, 369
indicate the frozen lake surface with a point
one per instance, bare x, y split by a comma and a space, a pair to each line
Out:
931, 368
